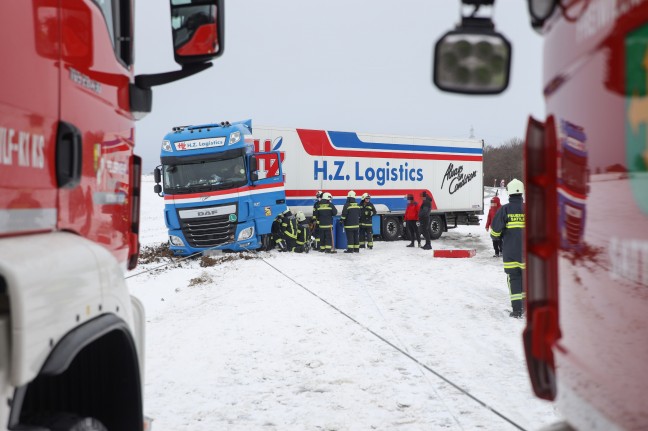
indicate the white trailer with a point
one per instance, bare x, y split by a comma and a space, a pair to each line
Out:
388, 167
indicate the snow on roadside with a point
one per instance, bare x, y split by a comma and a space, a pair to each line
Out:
263, 343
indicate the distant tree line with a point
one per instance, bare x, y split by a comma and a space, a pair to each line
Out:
504, 161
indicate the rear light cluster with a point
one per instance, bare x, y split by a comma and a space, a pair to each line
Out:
135, 181
541, 275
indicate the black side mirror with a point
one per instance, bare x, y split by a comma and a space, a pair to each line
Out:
198, 30
157, 175
473, 59
157, 189
254, 169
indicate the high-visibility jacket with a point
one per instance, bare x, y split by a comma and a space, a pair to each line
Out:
367, 211
351, 214
508, 224
324, 213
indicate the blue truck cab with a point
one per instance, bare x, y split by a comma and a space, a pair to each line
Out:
219, 194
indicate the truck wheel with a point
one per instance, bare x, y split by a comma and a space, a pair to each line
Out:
436, 227
392, 229
69, 422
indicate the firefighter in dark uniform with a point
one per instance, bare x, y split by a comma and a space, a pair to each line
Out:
367, 211
324, 215
303, 234
277, 235
508, 225
289, 230
351, 221
424, 219
314, 223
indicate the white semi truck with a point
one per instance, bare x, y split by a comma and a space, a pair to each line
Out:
388, 167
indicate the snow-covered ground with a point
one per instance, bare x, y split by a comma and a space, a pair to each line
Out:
367, 341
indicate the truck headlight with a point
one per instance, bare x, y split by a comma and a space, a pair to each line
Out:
234, 138
246, 233
176, 240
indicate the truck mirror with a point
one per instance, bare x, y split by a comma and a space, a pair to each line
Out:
254, 169
197, 30
157, 175
157, 189
473, 59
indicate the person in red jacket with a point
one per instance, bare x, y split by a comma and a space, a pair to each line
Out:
411, 217
494, 206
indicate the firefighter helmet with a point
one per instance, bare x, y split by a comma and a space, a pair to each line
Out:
351, 194
300, 216
327, 196
318, 195
366, 196
515, 187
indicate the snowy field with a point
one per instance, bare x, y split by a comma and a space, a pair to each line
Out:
378, 340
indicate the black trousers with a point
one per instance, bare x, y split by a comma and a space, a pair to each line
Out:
366, 235
353, 239
425, 228
326, 238
412, 231
514, 280
497, 246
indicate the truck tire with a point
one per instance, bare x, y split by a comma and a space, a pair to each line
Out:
436, 227
392, 229
68, 422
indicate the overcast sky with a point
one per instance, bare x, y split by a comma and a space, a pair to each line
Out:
346, 65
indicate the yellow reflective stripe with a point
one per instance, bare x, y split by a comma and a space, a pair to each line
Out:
510, 265
496, 234
517, 296
513, 225
352, 227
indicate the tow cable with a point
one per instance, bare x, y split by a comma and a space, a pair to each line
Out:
401, 351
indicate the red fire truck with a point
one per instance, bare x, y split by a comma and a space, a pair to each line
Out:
586, 281
71, 336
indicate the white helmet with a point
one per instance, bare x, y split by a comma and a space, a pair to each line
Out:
327, 196
300, 216
351, 194
366, 195
515, 187
318, 195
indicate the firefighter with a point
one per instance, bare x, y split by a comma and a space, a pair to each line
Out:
351, 221
424, 219
411, 218
277, 236
289, 230
367, 211
508, 225
324, 215
303, 234
314, 223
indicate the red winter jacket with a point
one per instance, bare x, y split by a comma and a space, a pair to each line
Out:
412, 210
494, 206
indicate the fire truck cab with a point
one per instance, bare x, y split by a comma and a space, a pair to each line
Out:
71, 336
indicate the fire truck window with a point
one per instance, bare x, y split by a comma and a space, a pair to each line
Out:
117, 14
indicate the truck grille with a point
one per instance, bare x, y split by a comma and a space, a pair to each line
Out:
208, 232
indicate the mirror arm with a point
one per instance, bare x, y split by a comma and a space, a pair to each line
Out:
148, 81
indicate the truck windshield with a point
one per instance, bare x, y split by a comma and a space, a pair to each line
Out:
206, 175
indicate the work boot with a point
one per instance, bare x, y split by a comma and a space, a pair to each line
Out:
371, 247
427, 246
357, 250
348, 250
331, 251
362, 246
411, 244
516, 314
